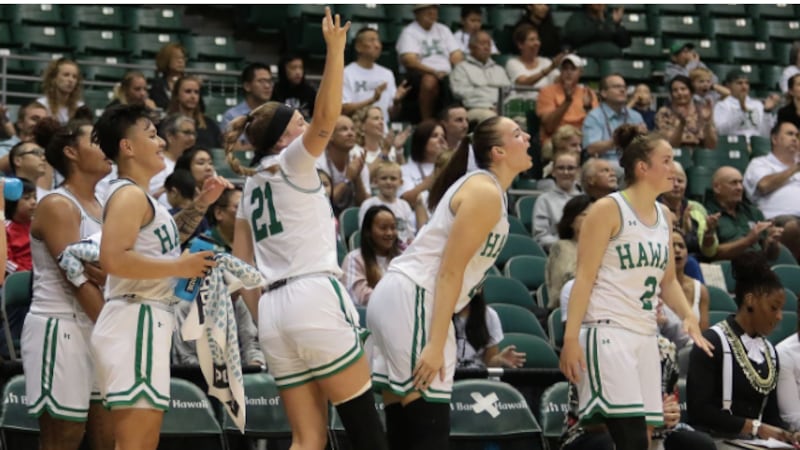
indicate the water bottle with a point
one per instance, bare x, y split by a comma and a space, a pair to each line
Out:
12, 189
187, 288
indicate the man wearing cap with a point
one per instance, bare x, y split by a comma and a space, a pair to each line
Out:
475, 81
683, 59
565, 102
739, 114
428, 51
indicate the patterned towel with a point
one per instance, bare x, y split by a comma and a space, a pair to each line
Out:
74, 255
212, 323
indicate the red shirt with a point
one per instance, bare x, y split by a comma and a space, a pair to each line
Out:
18, 236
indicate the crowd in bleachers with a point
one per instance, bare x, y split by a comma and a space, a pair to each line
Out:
726, 105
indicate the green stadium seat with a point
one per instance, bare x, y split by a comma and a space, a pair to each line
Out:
389, 59
560, 18
40, 37
36, 67
492, 271
95, 16
791, 301
156, 19
263, 18
759, 145
636, 23
782, 52
683, 26
591, 71
504, 17
707, 49
771, 11
746, 51
216, 106
632, 70
17, 297
40, 14
785, 256
674, 9
524, 210
786, 327
190, 419
450, 15
733, 151
683, 156
736, 28
723, 69
699, 181
723, 10
369, 12
542, 297
91, 71
6, 40
211, 47
727, 272
539, 353
307, 10
97, 100
555, 329
348, 222
148, 44
719, 300
515, 226
553, 410
784, 30
506, 290
355, 240
644, 47
18, 429
789, 276
527, 269
516, 319
715, 317
401, 13
518, 245
770, 77
107, 42
307, 37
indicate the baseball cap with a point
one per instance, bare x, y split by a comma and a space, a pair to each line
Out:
576, 60
418, 7
680, 45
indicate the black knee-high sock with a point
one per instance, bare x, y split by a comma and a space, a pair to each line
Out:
396, 429
428, 425
360, 420
629, 433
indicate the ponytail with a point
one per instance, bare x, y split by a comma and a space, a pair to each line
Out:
235, 130
255, 126
454, 170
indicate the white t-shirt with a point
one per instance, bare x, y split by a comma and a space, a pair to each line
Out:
433, 46
413, 174
468, 356
778, 202
406, 219
337, 176
371, 156
463, 42
63, 115
516, 69
359, 84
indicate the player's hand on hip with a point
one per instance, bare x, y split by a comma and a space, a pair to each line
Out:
429, 364
572, 362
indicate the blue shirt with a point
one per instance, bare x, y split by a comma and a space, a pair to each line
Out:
239, 110
8, 144
600, 123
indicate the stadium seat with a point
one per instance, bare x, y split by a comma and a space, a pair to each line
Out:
746, 51
560, 18
341, 249
553, 410
307, 37
644, 47
148, 44
708, 49
789, 276
518, 245
770, 77
211, 47
190, 419
528, 269
493, 271
632, 70
516, 319
516, 226
782, 50
364, 12
539, 353
112, 72
348, 222
6, 41
106, 42
97, 100
784, 30
735, 28
715, 317
719, 300
771, 11
591, 71
727, 272
96, 16
750, 70
786, 327
18, 429
524, 210
683, 26
555, 329
785, 256
723, 10
542, 297
791, 301
500, 18
636, 23
731, 151
491, 414
38, 14
36, 66
266, 417
354, 241
401, 13
16, 300
40, 37
506, 290
683, 156
217, 105
761, 146
699, 181
673, 9
450, 15
263, 18
156, 19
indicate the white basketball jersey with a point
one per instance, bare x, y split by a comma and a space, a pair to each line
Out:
52, 293
421, 260
625, 291
158, 239
292, 227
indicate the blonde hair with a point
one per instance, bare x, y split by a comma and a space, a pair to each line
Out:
359, 117
699, 72
174, 103
253, 125
385, 166
165, 55
50, 87
122, 87
559, 139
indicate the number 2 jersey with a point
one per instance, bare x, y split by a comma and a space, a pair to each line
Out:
291, 219
625, 292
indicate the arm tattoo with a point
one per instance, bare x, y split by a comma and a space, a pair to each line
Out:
187, 220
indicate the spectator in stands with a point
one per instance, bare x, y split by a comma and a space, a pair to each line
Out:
683, 59
693, 289
421, 210
186, 100
6, 127
478, 335
170, 66
180, 134
698, 227
363, 267
454, 121
428, 51
529, 69
427, 142
789, 381
62, 86
132, 90
772, 183
705, 91
742, 226
27, 118
367, 83
293, 89
18, 228
199, 162
598, 178
563, 257
684, 123
27, 161
600, 123
257, 85
565, 101
791, 111
750, 406
180, 190
387, 177
372, 142
350, 175
739, 114
642, 102
540, 17
567, 139
792, 69
476, 79
471, 23
549, 206
595, 33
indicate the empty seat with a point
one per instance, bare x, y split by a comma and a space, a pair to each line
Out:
402, 13
746, 51
674, 9
736, 28
723, 10
636, 23
96, 16
36, 66
211, 47
40, 37
539, 353
516, 319
367, 12
148, 44
760, 145
40, 14
450, 16
685, 26
767, 11
518, 245
97, 41
92, 71
632, 70
645, 47
156, 19
506, 290
504, 17
699, 180
785, 30
528, 269
782, 50
722, 69
97, 100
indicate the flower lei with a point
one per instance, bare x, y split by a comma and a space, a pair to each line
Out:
762, 385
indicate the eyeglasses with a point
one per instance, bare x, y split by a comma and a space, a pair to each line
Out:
566, 168
188, 132
37, 151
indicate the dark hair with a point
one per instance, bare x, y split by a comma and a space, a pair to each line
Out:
572, 209
419, 139
636, 146
476, 329
361, 31
11, 207
521, 33
373, 272
466, 10
484, 137
683, 79
791, 82
604, 80
23, 112
793, 50
753, 276
222, 202
53, 138
444, 113
777, 127
286, 59
113, 126
184, 161
183, 181
174, 101
249, 72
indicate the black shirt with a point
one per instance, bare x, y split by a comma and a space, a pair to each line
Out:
789, 114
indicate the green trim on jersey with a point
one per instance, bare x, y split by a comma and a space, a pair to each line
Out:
381, 382
298, 188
